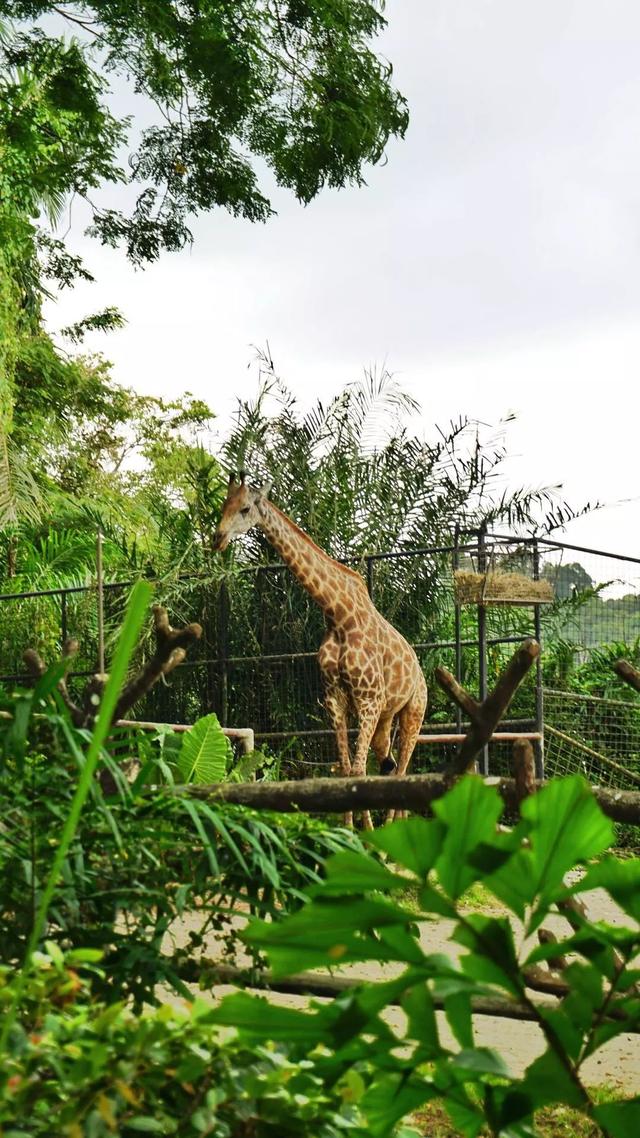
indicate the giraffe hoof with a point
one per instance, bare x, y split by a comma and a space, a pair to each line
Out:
388, 765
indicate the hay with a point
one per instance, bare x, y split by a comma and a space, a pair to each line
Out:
500, 589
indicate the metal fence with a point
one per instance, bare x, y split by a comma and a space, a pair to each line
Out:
256, 663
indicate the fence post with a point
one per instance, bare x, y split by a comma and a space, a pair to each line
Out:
458, 628
539, 746
370, 577
223, 653
100, 584
63, 618
482, 641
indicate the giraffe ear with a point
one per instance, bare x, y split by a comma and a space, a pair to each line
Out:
265, 489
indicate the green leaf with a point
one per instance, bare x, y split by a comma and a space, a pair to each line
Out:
205, 752
493, 957
417, 1003
567, 827
548, 1080
470, 812
620, 1119
391, 1098
457, 1007
412, 842
254, 1016
481, 1061
352, 872
327, 932
621, 878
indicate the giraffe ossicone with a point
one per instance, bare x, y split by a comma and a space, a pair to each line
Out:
369, 669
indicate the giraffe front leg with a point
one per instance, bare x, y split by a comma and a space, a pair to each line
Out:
337, 704
368, 716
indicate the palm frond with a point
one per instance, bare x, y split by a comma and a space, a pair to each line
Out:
20, 496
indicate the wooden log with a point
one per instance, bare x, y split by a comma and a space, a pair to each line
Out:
524, 768
406, 792
458, 694
211, 973
485, 716
546, 936
628, 673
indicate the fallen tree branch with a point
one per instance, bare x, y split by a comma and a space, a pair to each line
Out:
171, 649
403, 792
210, 973
37, 667
485, 716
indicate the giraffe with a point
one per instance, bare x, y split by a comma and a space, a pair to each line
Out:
368, 668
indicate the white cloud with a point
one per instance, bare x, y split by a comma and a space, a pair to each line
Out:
493, 261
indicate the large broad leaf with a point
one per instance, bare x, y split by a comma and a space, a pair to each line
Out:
392, 1097
548, 1080
412, 842
620, 1119
493, 958
417, 1003
255, 1017
567, 827
470, 812
329, 933
620, 878
205, 752
353, 872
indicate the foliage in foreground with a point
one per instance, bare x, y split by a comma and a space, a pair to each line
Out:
343, 1067
75, 1069
140, 859
354, 917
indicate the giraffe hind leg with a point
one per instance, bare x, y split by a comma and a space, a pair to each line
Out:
381, 745
409, 722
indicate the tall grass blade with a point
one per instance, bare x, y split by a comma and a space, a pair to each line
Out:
136, 609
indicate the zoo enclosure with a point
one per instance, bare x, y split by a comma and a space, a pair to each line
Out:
256, 664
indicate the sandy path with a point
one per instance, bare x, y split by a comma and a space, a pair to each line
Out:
617, 1064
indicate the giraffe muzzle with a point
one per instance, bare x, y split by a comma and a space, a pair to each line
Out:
220, 542
388, 765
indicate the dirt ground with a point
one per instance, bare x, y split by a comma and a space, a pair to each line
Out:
616, 1065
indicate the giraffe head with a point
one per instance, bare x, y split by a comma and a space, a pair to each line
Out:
239, 510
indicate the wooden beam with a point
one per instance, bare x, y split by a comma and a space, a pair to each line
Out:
524, 767
485, 716
211, 973
407, 792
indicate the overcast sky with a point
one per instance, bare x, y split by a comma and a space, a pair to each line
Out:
493, 263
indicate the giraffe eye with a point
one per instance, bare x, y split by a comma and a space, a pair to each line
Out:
245, 510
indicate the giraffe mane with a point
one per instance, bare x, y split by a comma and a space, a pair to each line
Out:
305, 536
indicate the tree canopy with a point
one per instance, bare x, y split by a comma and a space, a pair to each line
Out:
293, 84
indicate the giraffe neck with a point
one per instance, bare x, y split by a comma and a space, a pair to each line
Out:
324, 579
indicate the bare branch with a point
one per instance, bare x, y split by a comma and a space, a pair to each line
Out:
628, 673
171, 649
486, 716
37, 667
558, 963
